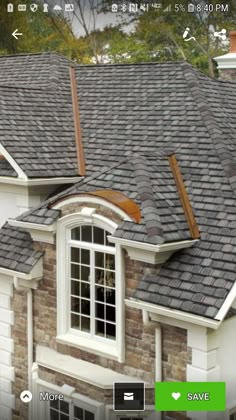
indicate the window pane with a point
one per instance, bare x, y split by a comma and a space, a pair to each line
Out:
85, 271
99, 236
54, 404
75, 234
99, 276
75, 321
88, 416
75, 255
110, 313
78, 413
100, 311
64, 417
75, 269
110, 278
85, 324
75, 305
85, 290
85, 256
99, 259
75, 287
64, 407
110, 261
110, 331
86, 233
54, 415
100, 328
111, 296
85, 307
99, 294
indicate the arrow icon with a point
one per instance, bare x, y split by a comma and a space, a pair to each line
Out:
16, 34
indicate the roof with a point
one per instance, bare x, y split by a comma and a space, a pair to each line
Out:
131, 114
16, 250
146, 179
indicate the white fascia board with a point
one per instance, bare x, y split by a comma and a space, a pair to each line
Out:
39, 181
13, 163
227, 304
171, 313
173, 246
32, 226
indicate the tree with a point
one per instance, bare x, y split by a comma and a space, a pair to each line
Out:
156, 35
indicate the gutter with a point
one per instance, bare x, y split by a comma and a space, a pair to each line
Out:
172, 313
17, 274
31, 226
173, 246
39, 181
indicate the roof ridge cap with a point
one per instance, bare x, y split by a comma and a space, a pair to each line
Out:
144, 186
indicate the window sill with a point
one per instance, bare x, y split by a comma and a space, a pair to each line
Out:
90, 345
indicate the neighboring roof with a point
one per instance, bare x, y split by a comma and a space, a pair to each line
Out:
16, 250
143, 109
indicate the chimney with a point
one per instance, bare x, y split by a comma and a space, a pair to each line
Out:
227, 62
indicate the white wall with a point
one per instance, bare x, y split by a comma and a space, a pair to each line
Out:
227, 359
16, 199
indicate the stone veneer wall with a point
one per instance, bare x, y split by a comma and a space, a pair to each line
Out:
19, 359
139, 339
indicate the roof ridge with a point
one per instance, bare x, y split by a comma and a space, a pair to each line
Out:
214, 131
144, 185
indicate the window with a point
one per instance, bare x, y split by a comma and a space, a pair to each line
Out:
90, 285
92, 282
62, 410
232, 416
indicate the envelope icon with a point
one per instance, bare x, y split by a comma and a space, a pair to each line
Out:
128, 396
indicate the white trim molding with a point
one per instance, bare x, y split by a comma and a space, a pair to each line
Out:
83, 198
98, 345
39, 181
172, 313
13, 163
87, 372
153, 254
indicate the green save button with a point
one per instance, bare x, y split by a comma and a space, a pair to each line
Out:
190, 396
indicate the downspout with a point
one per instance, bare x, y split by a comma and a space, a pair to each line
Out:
158, 351
30, 343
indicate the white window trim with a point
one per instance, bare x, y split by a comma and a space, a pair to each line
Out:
41, 408
97, 345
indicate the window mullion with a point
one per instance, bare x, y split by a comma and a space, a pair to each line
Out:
92, 291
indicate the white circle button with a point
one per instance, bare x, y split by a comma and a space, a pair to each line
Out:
26, 396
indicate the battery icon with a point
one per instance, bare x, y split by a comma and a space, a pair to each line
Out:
191, 8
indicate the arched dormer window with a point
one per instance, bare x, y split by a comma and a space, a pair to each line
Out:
90, 287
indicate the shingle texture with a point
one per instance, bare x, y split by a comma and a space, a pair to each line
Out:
16, 250
131, 116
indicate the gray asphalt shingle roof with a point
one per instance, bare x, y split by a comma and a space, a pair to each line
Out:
16, 249
129, 113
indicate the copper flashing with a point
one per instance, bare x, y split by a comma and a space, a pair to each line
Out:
78, 132
114, 197
192, 224
121, 201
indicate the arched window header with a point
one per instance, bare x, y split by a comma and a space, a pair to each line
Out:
115, 200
